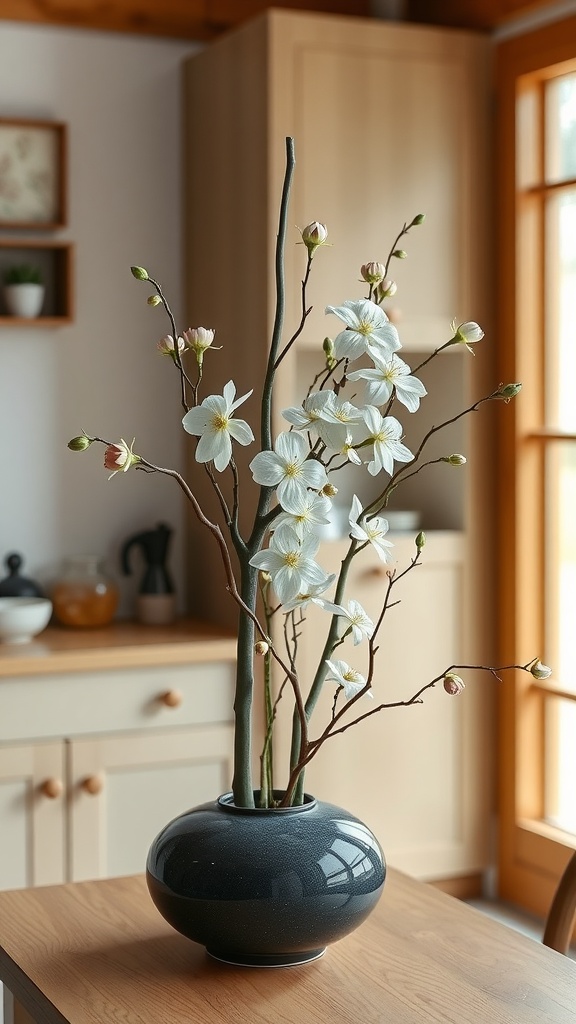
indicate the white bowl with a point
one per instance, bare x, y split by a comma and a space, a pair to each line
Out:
21, 618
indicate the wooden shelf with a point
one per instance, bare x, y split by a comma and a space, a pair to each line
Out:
55, 260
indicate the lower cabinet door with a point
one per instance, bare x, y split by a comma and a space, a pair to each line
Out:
125, 788
32, 813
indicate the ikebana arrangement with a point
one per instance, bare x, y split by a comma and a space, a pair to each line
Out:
347, 418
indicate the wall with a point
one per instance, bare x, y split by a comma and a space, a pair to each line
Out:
120, 96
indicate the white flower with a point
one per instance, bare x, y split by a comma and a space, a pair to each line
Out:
307, 415
367, 329
327, 415
212, 421
303, 512
355, 618
290, 562
370, 531
348, 678
349, 451
311, 595
288, 468
199, 339
387, 374
384, 433
466, 334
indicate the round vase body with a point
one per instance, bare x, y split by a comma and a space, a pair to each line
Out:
265, 887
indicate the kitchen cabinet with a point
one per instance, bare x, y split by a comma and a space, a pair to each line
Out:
104, 738
389, 121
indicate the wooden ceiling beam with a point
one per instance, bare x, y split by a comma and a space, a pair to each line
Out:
185, 19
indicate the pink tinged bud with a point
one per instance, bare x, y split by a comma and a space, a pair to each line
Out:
120, 457
385, 290
199, 339
540, 671
166, 345
453, 684
313, 235
372, 272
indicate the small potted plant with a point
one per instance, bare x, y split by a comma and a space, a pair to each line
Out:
23, 290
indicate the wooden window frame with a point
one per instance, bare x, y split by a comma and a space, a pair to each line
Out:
532, 854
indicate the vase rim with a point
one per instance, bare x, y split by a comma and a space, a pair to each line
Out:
226, 801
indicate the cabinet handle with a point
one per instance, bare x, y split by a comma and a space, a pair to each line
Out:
52, 788
93, 784
172, 698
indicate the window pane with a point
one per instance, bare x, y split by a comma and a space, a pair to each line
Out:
561, 563
561, 310
561, 128
561, 763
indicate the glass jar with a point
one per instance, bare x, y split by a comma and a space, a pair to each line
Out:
84, 595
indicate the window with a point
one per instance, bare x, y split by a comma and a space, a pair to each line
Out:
536, 149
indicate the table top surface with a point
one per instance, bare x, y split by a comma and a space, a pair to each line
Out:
95, 952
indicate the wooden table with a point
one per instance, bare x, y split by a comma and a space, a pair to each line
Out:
97, 952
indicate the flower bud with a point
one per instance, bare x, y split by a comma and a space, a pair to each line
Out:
166, 345
80, 443
540, 671
418, 219
329, 491
400, 254
420, 540
466, 334
199, 339
453, 684
385, 290
313, 235
139, 273
120, 457
373, 272
508, 391
153, 300
454, 460
261, 647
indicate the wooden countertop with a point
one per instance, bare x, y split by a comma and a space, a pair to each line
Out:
95, 952
120, 645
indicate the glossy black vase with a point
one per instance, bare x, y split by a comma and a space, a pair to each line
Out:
265, 887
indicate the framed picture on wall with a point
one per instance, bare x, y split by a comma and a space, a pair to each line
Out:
32, 174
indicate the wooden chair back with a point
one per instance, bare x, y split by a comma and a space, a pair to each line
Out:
562, 913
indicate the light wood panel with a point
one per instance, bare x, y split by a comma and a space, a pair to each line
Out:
532, 855
184, 19
86, 953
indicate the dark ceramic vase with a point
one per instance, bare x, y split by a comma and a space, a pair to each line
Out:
265, 887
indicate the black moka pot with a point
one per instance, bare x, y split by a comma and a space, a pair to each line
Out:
156, 601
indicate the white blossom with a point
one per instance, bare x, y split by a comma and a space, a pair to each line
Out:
369, 531
304, 512
311, 595
386, 375
288, 468
384, 433
348, 678
467, 334
213, 422
367, 329
355, 618
289, 560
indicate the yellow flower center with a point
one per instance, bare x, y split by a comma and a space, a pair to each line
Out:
292, 559
220, 422
292, 469
365, 327
350, 676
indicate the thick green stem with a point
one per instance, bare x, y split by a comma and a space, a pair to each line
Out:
242, 782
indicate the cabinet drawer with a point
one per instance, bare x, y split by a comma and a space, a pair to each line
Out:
33, 707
